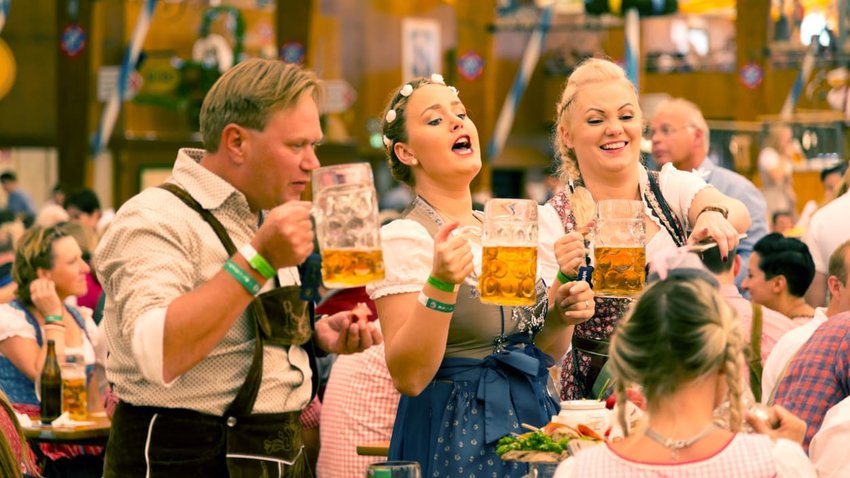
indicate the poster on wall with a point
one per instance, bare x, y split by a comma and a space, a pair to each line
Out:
420, 51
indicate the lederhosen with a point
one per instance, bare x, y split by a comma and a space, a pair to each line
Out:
239, 443
580, 369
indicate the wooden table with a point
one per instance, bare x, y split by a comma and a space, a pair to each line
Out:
95, 433
379, 448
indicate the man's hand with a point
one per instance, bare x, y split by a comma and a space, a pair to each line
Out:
337, 333
286, 237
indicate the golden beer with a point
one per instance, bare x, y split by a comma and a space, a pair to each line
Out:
74, 398
350, 267
619, 271
508, 275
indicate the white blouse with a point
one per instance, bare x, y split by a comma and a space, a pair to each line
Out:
409, 249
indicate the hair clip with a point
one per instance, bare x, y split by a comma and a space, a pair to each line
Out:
453, 90
437, 78
387, 141
406, 90
391, 115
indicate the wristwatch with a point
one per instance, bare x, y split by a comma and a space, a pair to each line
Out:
720, 209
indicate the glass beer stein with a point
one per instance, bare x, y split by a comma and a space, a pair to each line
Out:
74, 387
345, 208
619, 252
509, 262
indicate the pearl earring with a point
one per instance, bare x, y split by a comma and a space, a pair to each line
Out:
414, 162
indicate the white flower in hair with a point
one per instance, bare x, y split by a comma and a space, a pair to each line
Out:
453, 89
437, 78
391, 115
406, 90
387, 141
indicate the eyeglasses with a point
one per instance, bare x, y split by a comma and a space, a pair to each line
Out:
665, 130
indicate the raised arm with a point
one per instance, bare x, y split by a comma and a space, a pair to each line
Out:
416, 334
718, 217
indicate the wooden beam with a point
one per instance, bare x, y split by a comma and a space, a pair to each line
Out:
751, 26
473, 20
293, 26
73, 76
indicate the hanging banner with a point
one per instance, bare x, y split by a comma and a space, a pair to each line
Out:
131, 58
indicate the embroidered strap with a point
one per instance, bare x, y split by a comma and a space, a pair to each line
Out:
754, 352
657, 204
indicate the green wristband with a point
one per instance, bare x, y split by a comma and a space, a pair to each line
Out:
438, 284
50, 319
435, 304
565, 278
242, 277
256, 261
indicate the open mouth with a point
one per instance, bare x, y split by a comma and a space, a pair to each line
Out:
462, 145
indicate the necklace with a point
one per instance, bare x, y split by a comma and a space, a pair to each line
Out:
676, 445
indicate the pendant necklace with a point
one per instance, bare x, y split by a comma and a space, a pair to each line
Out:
676, 445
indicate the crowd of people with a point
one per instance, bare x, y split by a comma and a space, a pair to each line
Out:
205, 332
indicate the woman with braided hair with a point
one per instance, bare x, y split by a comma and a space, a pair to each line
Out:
682, 344
598, 132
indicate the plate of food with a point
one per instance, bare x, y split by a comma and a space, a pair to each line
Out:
550, 444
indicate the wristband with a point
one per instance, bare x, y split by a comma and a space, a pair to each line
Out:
256, 261
244, 279
564, 278
435, 304
438, 284
52, 319
720, 209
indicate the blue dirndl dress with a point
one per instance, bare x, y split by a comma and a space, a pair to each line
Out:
491, 380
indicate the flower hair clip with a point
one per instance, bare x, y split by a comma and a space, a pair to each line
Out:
453, 90
406, 90
437, 78
391, 115
387, 141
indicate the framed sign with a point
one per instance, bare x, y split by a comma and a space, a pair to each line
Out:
420, 51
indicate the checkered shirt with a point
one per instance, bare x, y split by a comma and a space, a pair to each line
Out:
818, 378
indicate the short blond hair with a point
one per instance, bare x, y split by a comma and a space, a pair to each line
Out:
249, 93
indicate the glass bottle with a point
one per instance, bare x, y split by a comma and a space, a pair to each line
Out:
51, 386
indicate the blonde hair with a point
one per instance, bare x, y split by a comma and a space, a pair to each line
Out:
678, 331
694, 117
589, 72
34, 251
249, 93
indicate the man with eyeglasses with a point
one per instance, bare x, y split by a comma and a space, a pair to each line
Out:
680, 135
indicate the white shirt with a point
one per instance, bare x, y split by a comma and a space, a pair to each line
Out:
828, 448
828, 229
783, 352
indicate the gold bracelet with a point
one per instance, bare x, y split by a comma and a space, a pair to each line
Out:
720, 209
